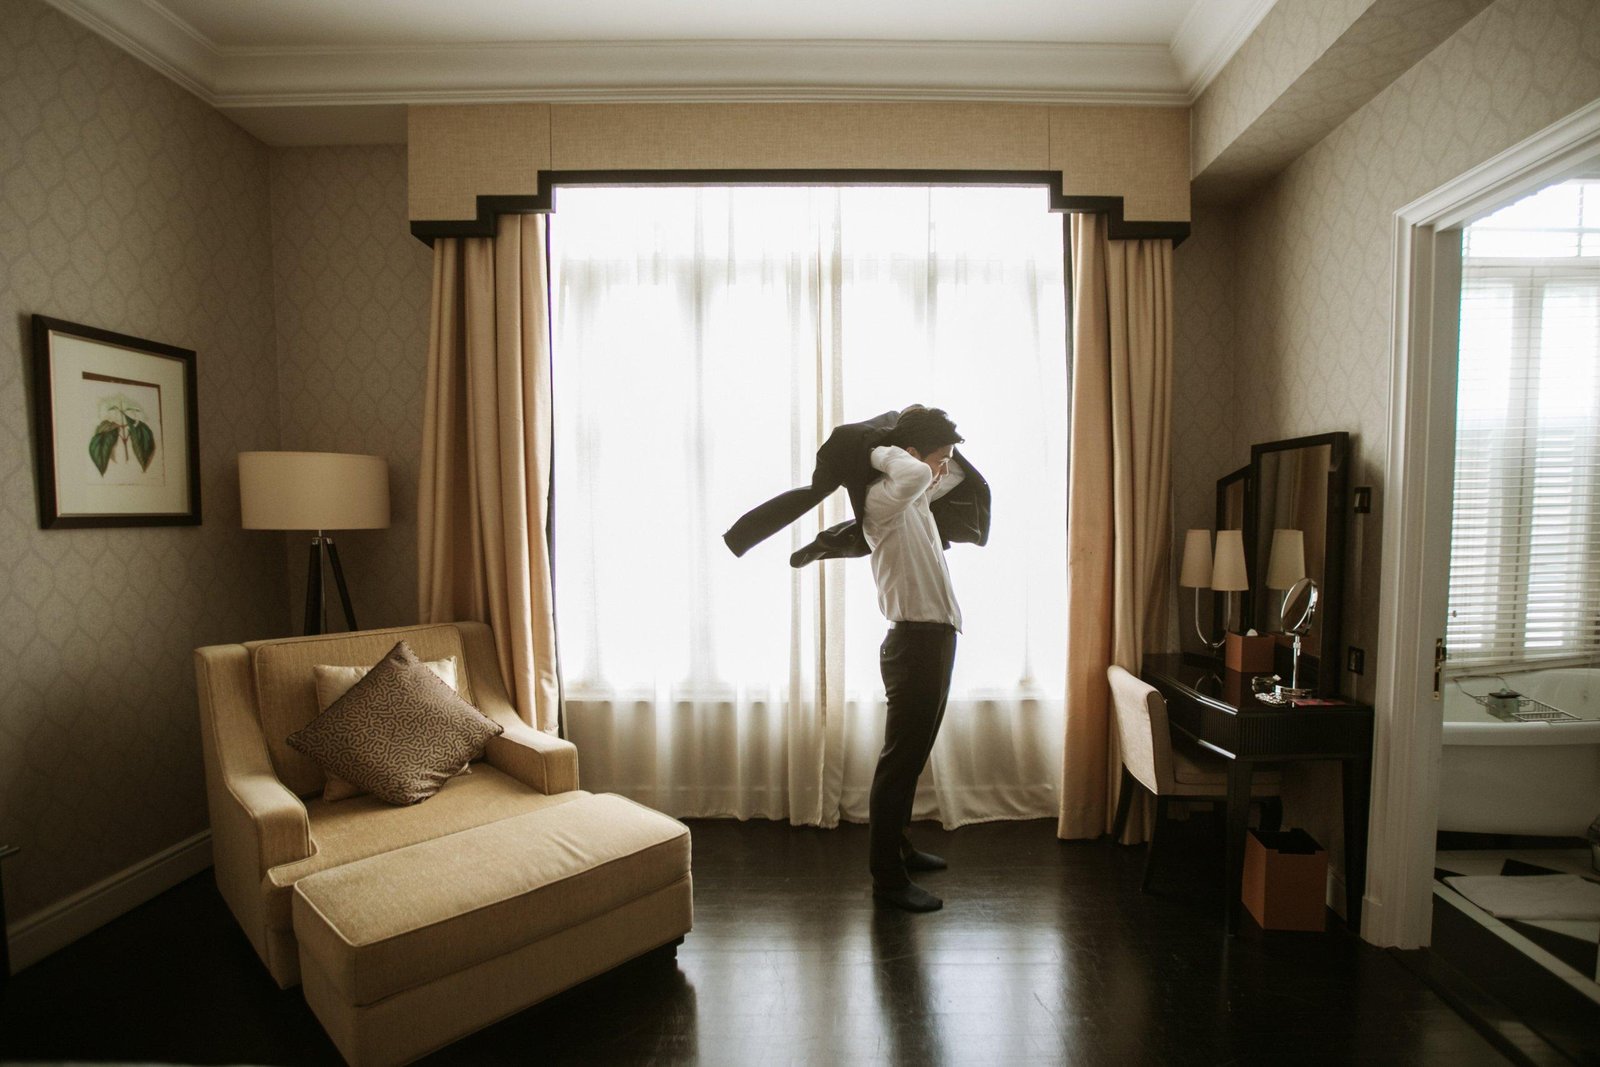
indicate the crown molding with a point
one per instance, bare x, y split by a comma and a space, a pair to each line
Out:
1210, 35
149, 32
608, 70
242, 80
657, 69
732, 94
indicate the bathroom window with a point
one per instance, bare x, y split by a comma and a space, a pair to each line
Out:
1525, 546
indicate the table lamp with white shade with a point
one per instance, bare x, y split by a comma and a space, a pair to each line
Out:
1224, 572
318, 492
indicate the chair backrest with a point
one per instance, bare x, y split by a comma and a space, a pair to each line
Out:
1141, 716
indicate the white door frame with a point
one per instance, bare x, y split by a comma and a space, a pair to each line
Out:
1418, 476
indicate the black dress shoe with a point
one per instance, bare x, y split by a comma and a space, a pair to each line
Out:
923, 861
909, 897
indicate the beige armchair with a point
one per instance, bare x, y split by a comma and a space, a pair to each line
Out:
1170, 771
270, 826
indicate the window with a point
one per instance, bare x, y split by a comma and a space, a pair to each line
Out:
1525, 546
705, 341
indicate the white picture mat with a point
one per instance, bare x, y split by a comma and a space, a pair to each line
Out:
80, 488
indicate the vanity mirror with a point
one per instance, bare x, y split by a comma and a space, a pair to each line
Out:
1295, 530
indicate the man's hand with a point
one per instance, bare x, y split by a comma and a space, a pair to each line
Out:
937, 461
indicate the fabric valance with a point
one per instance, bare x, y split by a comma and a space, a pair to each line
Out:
468, 163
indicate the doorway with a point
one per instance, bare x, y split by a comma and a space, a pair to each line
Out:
1413, 665
1516, 892
1419, 480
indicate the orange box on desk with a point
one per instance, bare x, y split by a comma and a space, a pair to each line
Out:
1285, 880
1250, 655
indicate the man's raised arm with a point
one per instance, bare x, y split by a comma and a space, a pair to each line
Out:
905, 477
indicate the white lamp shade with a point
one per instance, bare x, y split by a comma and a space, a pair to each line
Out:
1228, 574
313, 491
1196, 570
1287, 563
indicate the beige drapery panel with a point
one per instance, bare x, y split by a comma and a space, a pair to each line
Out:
483, 499
1118, 507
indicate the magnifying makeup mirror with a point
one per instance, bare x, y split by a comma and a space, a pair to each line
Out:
1299, 607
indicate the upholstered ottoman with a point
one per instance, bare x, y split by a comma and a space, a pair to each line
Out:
406, 951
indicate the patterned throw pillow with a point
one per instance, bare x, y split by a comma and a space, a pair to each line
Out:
398, 733
334, 682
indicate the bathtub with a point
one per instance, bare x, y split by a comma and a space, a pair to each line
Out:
1541, 778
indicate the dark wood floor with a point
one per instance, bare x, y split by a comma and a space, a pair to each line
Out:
1046, 952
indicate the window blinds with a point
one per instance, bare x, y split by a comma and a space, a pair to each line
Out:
1525, 544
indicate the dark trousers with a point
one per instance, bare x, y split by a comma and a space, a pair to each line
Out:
916, 660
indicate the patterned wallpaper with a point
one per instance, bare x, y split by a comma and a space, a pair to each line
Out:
1313, 324
1287, 41
127, 204
1383, 42
352, 294
1205, 441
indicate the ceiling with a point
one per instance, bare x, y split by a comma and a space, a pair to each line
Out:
342, 71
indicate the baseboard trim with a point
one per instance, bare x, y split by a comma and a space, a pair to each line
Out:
59, 925
1374, 916
1336, 894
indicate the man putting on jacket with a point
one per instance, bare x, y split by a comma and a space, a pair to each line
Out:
910, 502
917, 656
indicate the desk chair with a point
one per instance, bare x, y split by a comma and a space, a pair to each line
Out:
1182, 771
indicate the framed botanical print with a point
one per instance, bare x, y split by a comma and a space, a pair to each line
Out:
116, 431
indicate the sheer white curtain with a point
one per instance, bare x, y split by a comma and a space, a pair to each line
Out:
706, 340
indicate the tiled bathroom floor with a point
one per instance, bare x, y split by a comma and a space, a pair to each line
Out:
1573, 944
1546, 973
1573, 952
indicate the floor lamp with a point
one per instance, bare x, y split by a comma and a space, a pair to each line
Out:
319, 492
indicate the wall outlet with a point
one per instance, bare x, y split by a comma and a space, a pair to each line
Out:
1355, 660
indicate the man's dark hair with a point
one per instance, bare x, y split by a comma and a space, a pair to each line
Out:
924, 429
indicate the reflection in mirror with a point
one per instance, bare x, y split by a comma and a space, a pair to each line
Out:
1296, 505
1291, 518
1233, 513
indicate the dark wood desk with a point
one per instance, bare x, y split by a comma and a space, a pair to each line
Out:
1217, 708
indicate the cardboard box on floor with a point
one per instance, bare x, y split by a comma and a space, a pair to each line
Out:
1285, 880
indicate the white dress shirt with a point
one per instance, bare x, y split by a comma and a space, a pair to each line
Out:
907, 552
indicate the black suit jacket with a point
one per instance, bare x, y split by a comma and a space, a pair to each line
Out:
845, 459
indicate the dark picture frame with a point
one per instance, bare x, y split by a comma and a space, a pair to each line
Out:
116, 428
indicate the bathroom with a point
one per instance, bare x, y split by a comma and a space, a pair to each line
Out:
1518, 861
